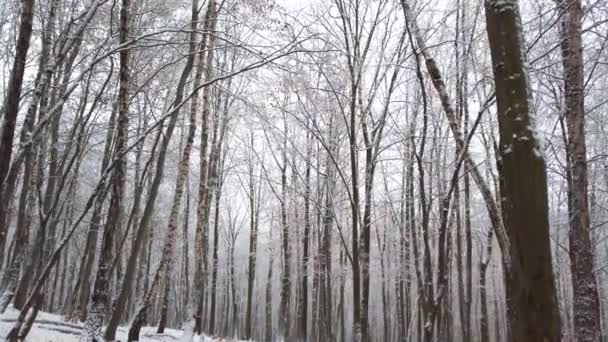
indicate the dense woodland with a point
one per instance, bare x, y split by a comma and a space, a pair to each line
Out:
282, 170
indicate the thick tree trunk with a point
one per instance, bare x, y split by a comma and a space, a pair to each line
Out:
13, 95
10, 280
531, 294
67, 42
27, 200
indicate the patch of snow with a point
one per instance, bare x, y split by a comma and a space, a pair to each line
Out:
52, 328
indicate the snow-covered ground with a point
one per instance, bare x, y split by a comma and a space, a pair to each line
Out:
52, 328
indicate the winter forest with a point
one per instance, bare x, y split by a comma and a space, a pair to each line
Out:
284, 170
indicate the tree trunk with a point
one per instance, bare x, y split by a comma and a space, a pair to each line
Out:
283, 326
120, 302
303, 314
268, 321
201, 236
234, 319
253, 238
531, 295
80, 291
100, 297
584, 286
484, 321
171, 234
13, 94
216, 239
185, 285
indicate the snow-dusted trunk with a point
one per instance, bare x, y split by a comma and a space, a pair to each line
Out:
47, 67
27, 198
56, 167
79, 298
171, 234
464, 239
201, 236
10, 107
185, 277
41, 96
584, 286
216, 239
164, 302
531, 294
215, 192
120, 302
10, 279
100, 297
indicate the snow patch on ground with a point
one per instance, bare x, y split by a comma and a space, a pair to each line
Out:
53, 328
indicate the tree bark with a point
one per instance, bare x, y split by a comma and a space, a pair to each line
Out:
584, 286
13, 94
484, 321
531, 294
303, 314
201, 236
100, 297
216, 239
269, 334
283, 326
121, 300
253, 238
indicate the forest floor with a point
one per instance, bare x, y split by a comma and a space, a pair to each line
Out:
53, 328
